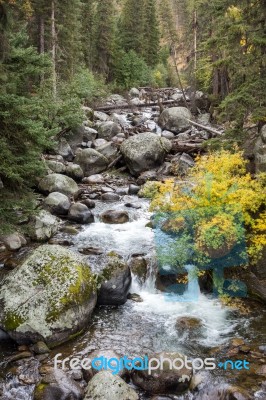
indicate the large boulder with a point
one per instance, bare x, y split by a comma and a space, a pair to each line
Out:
91, 161
49, 298
164, 379
108, 129
80, 213
58, 183
105, 386
45, 225
116, 281
175, 119
144, 151
57, 203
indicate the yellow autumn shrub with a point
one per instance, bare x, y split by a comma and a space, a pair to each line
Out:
219, 180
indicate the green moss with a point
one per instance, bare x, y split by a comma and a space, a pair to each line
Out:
115, 264
12, 321
77, 293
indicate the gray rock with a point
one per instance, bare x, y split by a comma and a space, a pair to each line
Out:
89, 134
45, 226
115, 217
183, 136
139, 267
57, 385
144, 151
109, 150
58, 183
49, 298
119, 119
91, 161
1, 184
175, 119
57, 203
108, 129
105, 386
122, 191
14, 241
110, 197
116, 281
65, 150
101, 116
40, 348
74, 171
147, 176
134, 92
80, 213
164, 380
136, 101
133, 189
168, 135
94, 179
56, 166
98, 143
181, 164
89, 203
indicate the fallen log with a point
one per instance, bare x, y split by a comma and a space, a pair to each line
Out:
142, 105
187, 147
206, 128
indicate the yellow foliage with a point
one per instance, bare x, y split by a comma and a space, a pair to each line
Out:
220, 180
234, 13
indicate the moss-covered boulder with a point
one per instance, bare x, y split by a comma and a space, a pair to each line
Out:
144, 151
50, 297
115, 281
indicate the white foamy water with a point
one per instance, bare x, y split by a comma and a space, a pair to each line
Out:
131, 237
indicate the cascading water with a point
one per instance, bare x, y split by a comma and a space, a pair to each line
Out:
150, 324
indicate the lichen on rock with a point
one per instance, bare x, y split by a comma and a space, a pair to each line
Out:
50, 297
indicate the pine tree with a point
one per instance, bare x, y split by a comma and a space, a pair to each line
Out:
131, 26
104, 36
151, 34
88, 32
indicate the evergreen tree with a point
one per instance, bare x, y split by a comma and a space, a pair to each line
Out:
88, 32
104, 36
151, 34
132, 26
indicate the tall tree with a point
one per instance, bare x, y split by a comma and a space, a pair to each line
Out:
151, 34
132, 26
104, 36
